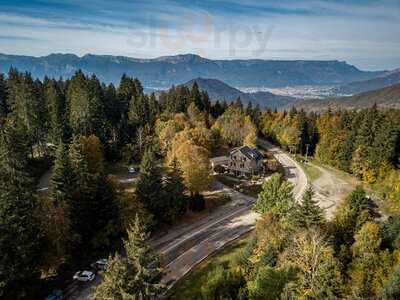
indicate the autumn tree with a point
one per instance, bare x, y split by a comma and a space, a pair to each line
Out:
319, 275
235, 127
193, 161
369, 267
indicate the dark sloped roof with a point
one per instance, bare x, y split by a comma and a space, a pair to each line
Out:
250, 153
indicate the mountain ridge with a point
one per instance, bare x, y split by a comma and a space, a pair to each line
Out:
165, 71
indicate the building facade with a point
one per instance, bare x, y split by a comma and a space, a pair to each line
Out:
245, 161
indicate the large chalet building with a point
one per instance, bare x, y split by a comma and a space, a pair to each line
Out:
245, 161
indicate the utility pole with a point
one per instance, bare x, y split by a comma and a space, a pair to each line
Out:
307, 145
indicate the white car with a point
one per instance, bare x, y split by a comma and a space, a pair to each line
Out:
132, 170
84, 276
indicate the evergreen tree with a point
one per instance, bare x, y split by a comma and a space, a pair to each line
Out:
196, 97
78, 98
93, 197
27, 105
308, 213
206, 101
249, 109
216, 110
149, 186
276, 197
55, 102
19, 234
4, 109
136, 276
174, 194
238, 104
62, 180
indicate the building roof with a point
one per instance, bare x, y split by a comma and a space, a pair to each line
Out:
250, 153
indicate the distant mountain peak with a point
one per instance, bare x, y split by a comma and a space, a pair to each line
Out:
182, 58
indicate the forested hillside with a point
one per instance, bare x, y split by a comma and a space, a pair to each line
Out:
79, 128
295, 252
365, 143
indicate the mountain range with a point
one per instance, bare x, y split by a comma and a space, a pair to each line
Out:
164, 72
388, 97
218, 90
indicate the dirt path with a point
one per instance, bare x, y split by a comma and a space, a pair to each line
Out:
330, 189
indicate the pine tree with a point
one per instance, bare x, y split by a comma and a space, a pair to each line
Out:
249, 109
19, 234
62, 180
308, 213
55, 104
174, 194
149, 185
206, 101
78, 99
196, 97
238, 104
136, 276
276, 197
27, 105
93, 197
4, 109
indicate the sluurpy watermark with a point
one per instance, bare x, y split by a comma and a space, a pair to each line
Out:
203, 32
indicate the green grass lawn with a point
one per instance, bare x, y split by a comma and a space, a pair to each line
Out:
190, 287
312, 172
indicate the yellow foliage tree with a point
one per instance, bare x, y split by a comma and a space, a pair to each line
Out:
193, 161
370, 266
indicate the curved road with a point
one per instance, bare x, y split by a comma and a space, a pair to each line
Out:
186, 247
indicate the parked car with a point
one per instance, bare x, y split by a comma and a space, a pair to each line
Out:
55, 295
100, 265
84, 276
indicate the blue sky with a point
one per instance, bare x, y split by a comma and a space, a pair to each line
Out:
363, 32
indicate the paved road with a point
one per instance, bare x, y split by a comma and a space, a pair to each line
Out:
185, 248
292, 170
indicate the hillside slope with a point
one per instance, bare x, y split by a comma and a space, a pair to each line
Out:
218, 90
380, 82
388, 97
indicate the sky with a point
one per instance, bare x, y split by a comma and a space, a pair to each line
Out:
365, 33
